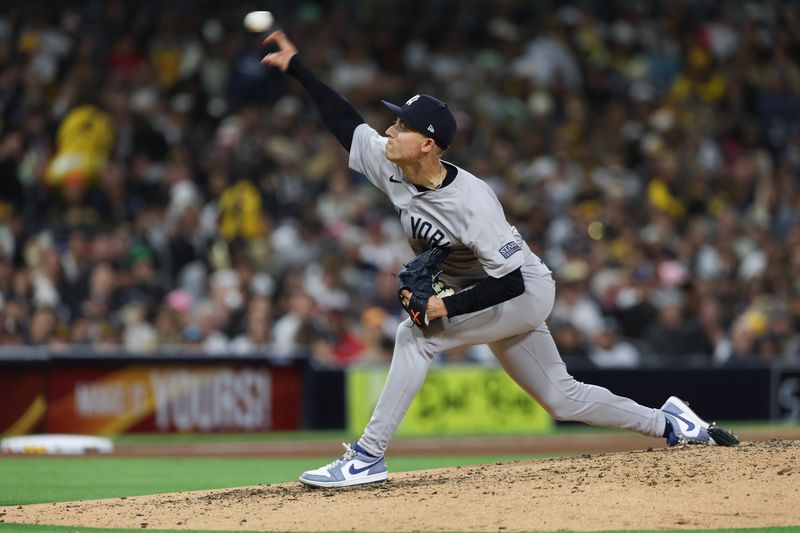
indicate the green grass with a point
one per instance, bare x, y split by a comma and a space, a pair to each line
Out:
26, 480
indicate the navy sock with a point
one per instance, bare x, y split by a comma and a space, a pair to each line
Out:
667, 428
361, 450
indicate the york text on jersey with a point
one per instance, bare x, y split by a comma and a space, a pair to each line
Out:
422, 229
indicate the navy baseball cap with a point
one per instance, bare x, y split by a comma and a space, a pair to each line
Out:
429, 115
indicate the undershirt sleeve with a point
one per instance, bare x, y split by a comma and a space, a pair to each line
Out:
338, 115
486, 293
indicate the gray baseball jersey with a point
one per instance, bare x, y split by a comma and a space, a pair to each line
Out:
467, 217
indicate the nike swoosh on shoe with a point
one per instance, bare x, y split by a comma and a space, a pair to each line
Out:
353, 470
689, 425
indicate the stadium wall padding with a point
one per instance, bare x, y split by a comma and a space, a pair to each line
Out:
126, 394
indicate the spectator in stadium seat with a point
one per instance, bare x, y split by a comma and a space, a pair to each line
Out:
42, 327
673, 334
610, 351
696, 120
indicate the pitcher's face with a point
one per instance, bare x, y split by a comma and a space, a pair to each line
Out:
405, 143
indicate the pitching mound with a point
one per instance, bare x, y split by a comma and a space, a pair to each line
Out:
756, 484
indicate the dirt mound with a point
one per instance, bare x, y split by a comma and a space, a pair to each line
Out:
693, 487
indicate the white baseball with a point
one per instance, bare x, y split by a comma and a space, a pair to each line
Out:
258, 21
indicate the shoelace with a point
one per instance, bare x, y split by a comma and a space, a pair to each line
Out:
349, 453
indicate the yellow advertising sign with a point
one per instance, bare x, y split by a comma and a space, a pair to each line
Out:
455, 400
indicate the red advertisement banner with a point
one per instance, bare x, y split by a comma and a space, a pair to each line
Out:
102, 398
23, 400
173, 398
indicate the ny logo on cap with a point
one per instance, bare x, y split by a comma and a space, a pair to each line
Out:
412, 99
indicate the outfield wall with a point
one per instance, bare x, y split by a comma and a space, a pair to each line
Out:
120, 393
124, 394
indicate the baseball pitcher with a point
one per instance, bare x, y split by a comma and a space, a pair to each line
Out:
500, 293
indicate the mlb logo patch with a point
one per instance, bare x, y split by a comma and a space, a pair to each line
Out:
509, 249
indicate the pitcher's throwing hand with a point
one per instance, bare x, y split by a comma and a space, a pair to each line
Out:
286, 51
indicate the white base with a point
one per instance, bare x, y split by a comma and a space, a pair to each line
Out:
372, 478
56, 445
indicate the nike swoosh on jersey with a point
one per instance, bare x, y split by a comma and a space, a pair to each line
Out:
354, 470
391, 178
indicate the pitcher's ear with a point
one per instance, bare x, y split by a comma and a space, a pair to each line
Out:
429, 145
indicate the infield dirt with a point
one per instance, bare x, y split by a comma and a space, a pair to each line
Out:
754, 485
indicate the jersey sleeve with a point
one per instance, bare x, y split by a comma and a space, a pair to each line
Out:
492, 239
367, 155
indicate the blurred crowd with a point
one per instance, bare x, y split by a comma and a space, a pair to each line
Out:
161, 190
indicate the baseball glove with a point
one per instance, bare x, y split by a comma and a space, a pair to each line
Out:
419, 277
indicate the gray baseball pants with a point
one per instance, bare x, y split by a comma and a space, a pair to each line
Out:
520, 340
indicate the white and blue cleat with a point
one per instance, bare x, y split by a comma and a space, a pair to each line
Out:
352, 468
688, 428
